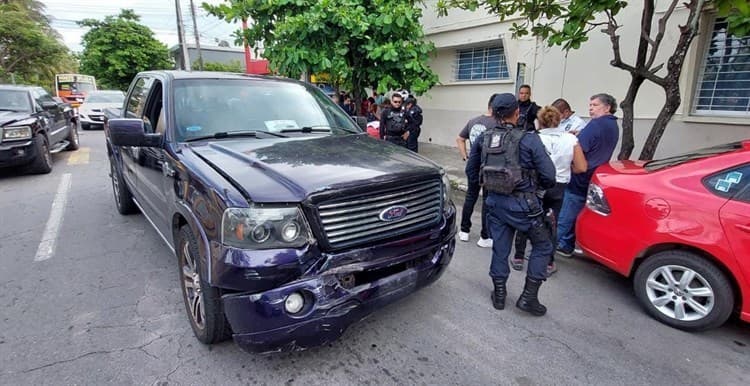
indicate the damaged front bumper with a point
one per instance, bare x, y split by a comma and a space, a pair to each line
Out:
335, 298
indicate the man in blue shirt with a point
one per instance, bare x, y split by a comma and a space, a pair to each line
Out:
598, 141
521, 210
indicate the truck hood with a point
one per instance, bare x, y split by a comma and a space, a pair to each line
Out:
8, 117
290, 169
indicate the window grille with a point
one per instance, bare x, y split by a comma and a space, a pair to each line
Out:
481, 63
723, 87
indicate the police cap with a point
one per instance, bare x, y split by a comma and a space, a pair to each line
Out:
504, 104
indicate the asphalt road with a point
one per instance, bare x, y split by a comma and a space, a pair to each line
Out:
103, 306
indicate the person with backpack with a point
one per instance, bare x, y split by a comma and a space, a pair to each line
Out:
513, 166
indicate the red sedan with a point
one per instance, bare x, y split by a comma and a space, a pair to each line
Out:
681, 228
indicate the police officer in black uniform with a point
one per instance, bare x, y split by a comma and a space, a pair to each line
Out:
519, 209
393, 122
413, 123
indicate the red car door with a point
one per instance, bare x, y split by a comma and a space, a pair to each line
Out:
735, 214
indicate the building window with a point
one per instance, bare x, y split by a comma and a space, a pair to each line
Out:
481, 63
724, 83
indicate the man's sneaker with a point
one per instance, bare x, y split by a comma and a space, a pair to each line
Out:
551, 268
578, 251
564, 253
484, 243
516, 263
463, 236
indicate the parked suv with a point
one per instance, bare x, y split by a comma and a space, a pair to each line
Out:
289, 223
33, 126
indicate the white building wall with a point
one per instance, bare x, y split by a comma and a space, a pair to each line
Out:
575, 77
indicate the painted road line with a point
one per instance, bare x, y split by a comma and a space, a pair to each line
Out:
80, 156
51, 231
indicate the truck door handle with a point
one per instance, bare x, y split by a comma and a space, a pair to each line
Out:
745, 228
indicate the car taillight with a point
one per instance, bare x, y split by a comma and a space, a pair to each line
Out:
596, 201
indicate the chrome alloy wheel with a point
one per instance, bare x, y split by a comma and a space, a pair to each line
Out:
680, 293
191, 282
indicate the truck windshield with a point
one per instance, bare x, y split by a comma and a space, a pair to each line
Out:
655, 165
13, 100
204, 107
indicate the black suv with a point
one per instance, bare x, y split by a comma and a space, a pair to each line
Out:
289, 223
34, 125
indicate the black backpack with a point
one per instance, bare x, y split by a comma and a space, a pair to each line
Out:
501, 170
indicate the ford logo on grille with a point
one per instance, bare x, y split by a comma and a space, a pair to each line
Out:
393, 213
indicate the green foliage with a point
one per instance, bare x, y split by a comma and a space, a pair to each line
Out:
568, 24
119, 47
358, 42
30, 50
232, 66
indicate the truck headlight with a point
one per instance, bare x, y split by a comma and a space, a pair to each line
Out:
446, 188
265, 227
18, 132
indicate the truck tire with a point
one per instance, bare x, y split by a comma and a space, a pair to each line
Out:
42, 163
123, 197
73, 139
203, 303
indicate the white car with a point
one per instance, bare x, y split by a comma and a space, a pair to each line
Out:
91, 112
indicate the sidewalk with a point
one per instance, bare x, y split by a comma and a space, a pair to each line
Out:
450, 159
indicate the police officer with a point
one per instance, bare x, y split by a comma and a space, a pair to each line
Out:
393, 122
513, 166
413, 123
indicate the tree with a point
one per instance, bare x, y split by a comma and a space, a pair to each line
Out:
569, 24
118, 48
232, 66
30, 50
358, 43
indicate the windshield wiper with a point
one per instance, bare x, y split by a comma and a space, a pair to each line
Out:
230, 134
7, 109
318, 129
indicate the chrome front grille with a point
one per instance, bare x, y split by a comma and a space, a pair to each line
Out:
357, 220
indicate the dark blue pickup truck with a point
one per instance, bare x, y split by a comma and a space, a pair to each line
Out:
289, 223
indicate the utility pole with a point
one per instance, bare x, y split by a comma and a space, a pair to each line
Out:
197, 39
181, 37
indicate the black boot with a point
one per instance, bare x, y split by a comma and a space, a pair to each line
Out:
529, 300
499, 294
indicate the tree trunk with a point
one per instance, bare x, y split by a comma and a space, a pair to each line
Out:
665, 115
671, 82
628, 114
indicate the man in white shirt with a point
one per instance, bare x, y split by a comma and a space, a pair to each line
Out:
570, 122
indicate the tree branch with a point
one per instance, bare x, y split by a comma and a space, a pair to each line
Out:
660, 35
611, 30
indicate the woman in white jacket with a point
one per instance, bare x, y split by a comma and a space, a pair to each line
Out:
568, 157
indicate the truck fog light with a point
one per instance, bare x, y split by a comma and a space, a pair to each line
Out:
260, 233
290, 231
294, 303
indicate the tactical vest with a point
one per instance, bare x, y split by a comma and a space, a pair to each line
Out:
501, 170
396, 122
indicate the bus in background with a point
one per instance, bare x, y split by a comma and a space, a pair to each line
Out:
73, 88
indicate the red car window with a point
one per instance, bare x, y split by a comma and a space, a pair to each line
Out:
728, 183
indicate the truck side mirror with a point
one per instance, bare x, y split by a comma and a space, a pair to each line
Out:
49, 105
131, 132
